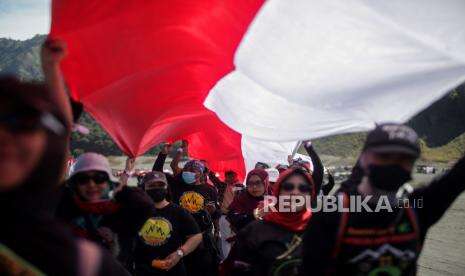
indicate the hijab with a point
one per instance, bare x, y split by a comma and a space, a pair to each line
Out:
245, 202
292, 221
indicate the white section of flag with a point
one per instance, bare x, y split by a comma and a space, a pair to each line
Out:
308, 68
273, 153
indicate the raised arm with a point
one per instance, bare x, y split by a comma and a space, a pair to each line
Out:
220, 185
53, 52
318, 169
328, 186
124, 177
161, 158
175, 163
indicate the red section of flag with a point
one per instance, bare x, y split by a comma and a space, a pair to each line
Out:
144, 68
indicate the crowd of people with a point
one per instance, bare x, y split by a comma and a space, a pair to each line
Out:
190, 221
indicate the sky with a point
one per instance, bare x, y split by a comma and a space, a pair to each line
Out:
22, 19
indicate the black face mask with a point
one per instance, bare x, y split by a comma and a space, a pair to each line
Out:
157, 194
388, 177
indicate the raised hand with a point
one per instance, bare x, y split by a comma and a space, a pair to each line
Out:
53, 51
130, 164
307, 143
166, 148
185, 146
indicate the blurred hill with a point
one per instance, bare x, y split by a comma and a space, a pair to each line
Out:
21, 58
441, 126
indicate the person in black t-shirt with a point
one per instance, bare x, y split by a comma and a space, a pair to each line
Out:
167, 236
201, 200
387, 242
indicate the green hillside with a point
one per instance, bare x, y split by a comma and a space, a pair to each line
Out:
21, 58
441, 126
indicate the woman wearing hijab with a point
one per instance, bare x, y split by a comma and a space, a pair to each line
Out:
241, 210
272, 246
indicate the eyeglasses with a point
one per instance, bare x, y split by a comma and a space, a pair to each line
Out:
302, 187
255, 183
84, 178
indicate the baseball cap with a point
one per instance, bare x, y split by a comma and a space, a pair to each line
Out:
92, 161
152, 177
393, 138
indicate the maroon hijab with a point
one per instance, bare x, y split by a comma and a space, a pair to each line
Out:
245, 202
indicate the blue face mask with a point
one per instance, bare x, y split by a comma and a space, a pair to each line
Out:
188, 177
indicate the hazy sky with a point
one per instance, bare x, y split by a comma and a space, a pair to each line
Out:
22, 19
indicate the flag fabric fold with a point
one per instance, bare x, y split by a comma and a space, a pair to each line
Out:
331, 67
244, 80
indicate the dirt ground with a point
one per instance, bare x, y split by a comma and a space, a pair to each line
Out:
444, 250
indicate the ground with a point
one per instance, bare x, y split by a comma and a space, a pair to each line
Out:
444, 250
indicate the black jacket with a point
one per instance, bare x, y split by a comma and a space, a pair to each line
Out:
431, 202
263, 248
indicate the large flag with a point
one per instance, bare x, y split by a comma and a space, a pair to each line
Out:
295, 70
143, 69
316, 68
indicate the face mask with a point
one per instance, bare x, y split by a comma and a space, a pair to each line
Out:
388, 177
158, 194
188, 177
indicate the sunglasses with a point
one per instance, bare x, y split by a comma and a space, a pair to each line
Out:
29, 120
302, 187
84, 179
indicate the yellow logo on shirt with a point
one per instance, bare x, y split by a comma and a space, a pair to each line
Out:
156, 231
192, 201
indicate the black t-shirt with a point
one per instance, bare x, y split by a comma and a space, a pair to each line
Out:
194, 198
162, 234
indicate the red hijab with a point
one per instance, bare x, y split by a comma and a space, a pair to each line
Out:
292, 221
103, 207
245, 202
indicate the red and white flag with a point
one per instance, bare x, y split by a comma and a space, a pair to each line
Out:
287, 71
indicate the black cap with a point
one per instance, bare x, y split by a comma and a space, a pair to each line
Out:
393, 138
152, 177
